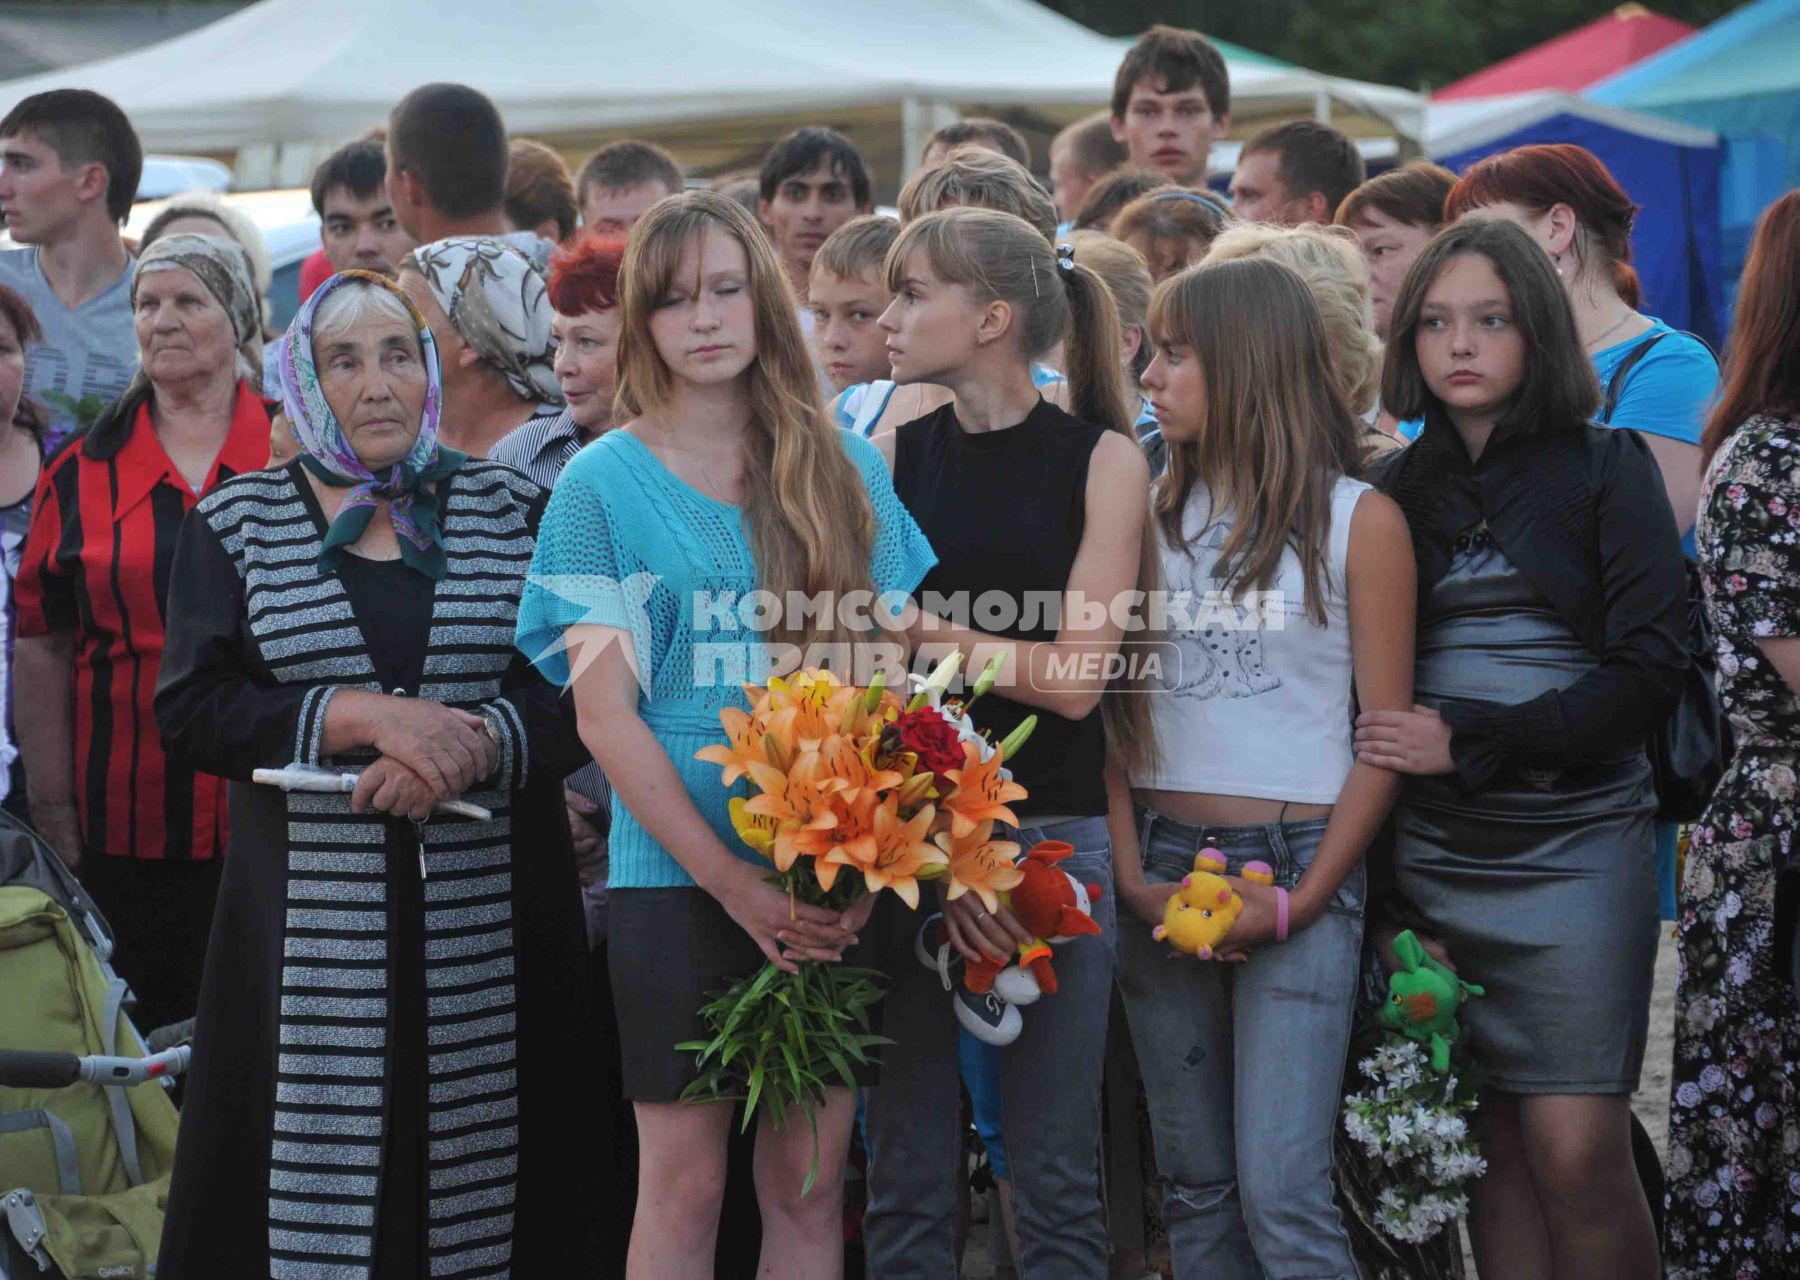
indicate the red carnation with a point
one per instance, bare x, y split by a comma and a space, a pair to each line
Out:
932, 739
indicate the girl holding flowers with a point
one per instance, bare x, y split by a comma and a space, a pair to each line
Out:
725, 478
1025, 505
1291, 595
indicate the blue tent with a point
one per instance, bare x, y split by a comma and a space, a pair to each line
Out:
1670, 169
1739, 77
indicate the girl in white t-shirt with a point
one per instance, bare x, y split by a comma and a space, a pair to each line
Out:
1291, 591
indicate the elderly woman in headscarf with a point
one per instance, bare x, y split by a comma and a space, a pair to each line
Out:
393, 1014
144, 827
489, 308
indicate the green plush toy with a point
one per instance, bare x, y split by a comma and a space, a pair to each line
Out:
1423, 998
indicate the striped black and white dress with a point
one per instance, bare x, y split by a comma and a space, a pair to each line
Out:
392, 1023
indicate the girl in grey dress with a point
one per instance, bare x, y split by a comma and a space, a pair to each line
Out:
1551, 642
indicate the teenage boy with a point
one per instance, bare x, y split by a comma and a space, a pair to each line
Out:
847, 295
69, 168
1171, 101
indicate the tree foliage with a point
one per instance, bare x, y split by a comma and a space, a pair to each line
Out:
1421, 44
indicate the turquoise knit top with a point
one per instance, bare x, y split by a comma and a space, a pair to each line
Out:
626, 544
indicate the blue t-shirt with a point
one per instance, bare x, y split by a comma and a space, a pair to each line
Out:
626, 544
1667, 392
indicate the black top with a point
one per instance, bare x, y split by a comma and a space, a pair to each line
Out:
1583, 515
1005, 511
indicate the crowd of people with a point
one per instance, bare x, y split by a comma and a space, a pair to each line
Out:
1424, 510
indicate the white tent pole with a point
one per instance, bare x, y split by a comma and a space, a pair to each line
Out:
1322, 106
915, 127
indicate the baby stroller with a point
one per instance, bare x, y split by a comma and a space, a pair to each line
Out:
87, 1129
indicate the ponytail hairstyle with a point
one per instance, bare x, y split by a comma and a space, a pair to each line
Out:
998, 257
1537, 177
1762, 365
1127, 278
1277, 432
810, 522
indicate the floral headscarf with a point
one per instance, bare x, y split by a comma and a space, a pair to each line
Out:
326, 452
498, 299
222, 266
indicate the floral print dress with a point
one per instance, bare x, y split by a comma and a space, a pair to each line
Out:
1734, 1128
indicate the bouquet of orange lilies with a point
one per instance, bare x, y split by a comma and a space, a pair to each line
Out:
854, 792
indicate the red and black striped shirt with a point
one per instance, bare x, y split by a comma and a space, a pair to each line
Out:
96, 562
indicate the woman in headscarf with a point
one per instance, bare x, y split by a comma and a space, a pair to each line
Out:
393, 997
489, 309
145, 830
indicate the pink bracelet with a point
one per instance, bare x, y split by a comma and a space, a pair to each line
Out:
1281, 914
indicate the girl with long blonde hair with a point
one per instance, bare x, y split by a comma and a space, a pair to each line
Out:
1290, 594
1039, 520
724, 479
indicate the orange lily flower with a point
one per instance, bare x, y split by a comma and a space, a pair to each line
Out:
849, 842
981, 794
980, 865
794, 805
743, 745
847, 763
903, 851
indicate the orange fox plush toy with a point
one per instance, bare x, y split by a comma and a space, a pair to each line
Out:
1055, 907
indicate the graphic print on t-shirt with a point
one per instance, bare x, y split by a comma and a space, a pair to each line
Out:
1221, 652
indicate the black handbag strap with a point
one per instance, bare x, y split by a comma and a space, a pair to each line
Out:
1616, 384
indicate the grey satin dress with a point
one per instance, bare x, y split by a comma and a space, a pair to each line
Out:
1543, 885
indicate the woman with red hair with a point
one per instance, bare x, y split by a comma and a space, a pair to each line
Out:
584, 290
1734, 1132
1654, 379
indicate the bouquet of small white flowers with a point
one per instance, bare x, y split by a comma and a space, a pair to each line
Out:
1413, 1122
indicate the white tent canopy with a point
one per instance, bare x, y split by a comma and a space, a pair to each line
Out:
1458, 124
300, 71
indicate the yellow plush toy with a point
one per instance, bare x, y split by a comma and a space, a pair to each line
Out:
1195, 919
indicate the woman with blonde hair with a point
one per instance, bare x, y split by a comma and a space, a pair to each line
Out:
1330, 265
1037, 515
725, 477
1292, 596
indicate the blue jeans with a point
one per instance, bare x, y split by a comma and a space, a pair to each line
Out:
1243, 1065
1050, 1092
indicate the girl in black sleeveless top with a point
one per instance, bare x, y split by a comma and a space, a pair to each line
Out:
1033, 513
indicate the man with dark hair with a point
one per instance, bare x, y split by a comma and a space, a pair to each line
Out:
446, 163
1080, 156
1171, 101
995, 135
813, 181
357, 226
69, 168
1293, 173
620, 182
540, 195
